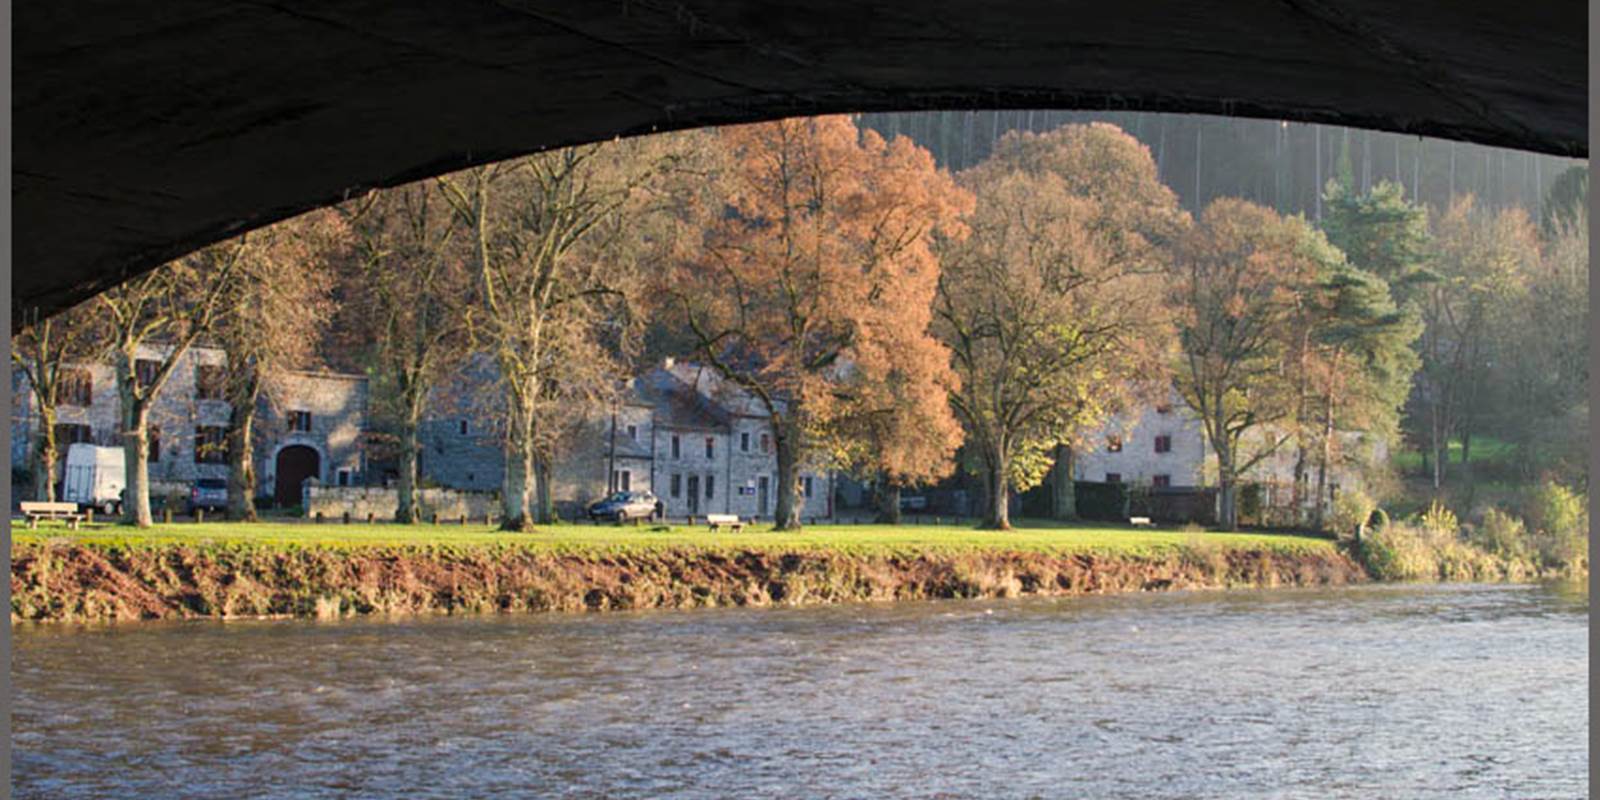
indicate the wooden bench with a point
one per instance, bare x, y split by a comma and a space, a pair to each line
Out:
1139, 522
730, 521
36, 510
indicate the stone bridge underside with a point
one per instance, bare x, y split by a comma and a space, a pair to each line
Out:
144, 130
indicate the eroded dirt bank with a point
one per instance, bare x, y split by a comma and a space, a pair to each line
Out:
73, 582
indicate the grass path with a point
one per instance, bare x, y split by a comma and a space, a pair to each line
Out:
1029, 536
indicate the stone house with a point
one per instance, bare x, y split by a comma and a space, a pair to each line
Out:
698, 444
307, 426
1164, 445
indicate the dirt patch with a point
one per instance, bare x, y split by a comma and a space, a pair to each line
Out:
72, 582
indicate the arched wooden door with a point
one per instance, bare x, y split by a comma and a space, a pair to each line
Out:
296, 463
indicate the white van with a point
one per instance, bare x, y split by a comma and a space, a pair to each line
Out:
95, 477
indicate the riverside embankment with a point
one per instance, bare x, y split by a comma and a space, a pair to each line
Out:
264, 570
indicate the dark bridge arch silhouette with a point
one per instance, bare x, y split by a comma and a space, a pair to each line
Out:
144, 130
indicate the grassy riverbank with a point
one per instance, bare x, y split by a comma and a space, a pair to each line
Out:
267, 569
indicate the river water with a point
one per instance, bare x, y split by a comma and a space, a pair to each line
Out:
1430, 691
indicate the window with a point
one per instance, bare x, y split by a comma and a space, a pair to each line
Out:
677, 485
300, 421
1113, 444
209, 380
1164, 443
675, 447
344, 477
210, 444
766, 443
71, 433
806, 482
144, 371
1161, 481
711, 484
464, 427
1113, 477
744, 442
152, 435
633, 432
711, 447
621, 481
77, 387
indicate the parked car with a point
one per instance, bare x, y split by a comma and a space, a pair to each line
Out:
210, 494
624, 506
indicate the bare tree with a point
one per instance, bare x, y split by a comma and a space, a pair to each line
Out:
50, 352
409, 310
268, 319
167, 309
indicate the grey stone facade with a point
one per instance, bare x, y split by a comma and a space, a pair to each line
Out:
182, 419
717, 465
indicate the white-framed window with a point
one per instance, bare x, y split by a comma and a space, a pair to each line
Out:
677, 484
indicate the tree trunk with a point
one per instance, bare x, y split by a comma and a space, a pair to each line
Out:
519, 496
888, 493
1064, 498
408, 511
544, 511
999, 505
786, 515
242, 466
136, 455
1227, 495
242, 447
45, 457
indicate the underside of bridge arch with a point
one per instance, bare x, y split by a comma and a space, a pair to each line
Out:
144, 130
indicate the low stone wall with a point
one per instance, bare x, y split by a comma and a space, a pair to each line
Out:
333, 502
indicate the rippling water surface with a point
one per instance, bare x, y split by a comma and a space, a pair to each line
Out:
1455, 691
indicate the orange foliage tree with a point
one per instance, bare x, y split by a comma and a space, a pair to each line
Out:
811, 290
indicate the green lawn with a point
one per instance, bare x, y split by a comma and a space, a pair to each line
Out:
1486, 451
1030, 535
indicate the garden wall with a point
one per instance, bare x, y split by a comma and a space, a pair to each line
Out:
333, 502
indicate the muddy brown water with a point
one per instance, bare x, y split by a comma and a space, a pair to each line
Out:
1374, 691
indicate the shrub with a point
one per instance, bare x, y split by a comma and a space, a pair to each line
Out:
1102, 501
1560, 521
1502, 534
1440, 520
1351, 509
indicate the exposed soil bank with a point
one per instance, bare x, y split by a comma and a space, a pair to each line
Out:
73, 582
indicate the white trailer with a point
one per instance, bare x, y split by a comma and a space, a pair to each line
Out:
95, 476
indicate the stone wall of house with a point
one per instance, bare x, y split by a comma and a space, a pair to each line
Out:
176, 414
338, 407
1138, 462
461, 452
333, 502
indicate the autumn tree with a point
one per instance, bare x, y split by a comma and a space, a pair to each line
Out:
1236, 281
51, 353
167, 309
1542, 358
554, 279
268, 318
1481, 259
1052, 306
410, 289
818, 272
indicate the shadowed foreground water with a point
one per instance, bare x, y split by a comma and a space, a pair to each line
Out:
1362, 692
